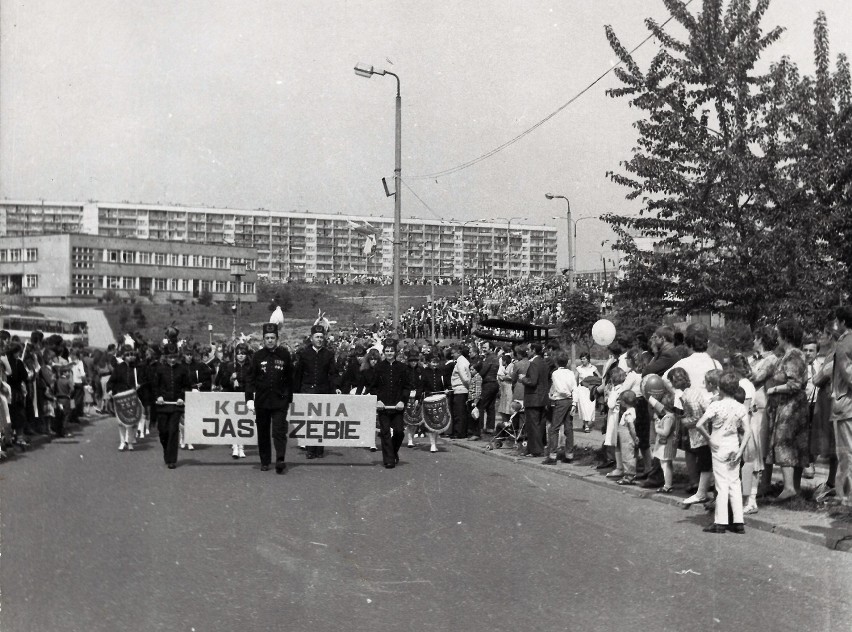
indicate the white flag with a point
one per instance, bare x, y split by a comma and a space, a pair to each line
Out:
369, 244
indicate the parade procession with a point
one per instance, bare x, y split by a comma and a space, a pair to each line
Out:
482, 316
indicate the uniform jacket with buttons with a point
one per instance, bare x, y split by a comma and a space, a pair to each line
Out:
269, 379
316, 370
171, 383
390, 383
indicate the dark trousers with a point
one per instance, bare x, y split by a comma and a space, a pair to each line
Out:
18, 416
487, 405
535, 429
77, 405
168, 423
460, 415
560, 418
390, 419
267, 419
316, 450
61, 412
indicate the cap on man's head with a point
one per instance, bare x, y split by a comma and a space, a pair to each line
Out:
317, 329
170, 349
270, 328
390, 343
413, 356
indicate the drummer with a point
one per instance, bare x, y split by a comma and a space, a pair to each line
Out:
171, 383
433, 380
125, 377
415, 395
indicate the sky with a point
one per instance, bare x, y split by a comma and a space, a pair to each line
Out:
254, 104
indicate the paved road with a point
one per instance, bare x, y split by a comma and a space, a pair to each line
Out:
100, 333
95, 539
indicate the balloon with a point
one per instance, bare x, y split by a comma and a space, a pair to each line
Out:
654, 386
603, 332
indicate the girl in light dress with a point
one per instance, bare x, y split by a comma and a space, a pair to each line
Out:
666, 430
728, 418
583, 404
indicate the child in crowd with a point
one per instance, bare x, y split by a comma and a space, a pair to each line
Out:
694, 400
666, 429
63, 390
612, 392
627, 438
728, 418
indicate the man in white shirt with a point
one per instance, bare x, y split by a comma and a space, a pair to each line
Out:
562, 385
460, 382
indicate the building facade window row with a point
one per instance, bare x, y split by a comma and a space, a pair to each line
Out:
161, 284
160, 259
13, 255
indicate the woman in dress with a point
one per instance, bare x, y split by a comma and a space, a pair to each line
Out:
583, 402
762, 371
504, 383
787, 410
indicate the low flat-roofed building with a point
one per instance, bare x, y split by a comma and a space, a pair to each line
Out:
79, 267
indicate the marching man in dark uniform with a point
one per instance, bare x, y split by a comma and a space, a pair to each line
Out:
316, 372
390, 384
269, 392
171, 382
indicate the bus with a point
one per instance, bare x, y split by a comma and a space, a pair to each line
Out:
23, 325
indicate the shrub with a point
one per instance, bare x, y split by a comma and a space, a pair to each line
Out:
205, 298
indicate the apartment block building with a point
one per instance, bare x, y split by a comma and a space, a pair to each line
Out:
307, 246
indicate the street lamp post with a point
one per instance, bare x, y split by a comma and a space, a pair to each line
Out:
364, 71
550, 196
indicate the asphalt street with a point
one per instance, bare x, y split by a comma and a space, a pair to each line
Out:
93, 539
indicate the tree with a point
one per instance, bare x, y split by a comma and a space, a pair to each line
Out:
816, 154
730, 233
581, 312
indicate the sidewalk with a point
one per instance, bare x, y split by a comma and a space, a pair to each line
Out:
831, 529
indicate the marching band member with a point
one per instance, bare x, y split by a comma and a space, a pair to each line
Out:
269, 392
231, 378
316, 372
392, 389
171, 382
125, 376
434, 380
199, 376
414, 374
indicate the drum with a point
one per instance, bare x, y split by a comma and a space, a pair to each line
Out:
128, 408
436, 413
412, 415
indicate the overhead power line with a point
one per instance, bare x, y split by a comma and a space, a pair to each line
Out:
529, 130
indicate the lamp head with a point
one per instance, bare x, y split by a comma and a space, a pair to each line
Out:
362, 70
549, 196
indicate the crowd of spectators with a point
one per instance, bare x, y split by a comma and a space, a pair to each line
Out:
784, 405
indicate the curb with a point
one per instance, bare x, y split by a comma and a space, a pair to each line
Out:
842, 541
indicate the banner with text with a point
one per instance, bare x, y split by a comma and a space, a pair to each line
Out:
347, 421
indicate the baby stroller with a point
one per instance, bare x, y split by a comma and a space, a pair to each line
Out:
512, 430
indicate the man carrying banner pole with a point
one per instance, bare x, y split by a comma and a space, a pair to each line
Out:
269, 392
